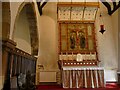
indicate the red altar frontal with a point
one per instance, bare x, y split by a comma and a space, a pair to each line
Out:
82, 77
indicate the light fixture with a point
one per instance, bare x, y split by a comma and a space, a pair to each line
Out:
102, 30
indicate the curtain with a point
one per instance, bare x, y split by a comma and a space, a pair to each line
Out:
84, 78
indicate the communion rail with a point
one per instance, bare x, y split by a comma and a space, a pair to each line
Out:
14, 63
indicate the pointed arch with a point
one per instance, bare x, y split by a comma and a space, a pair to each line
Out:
32, 21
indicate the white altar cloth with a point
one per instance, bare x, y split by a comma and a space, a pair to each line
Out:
82, 77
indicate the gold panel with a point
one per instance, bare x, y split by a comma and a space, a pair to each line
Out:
63, 45
89, 29
63, 29
77, 37
90, 44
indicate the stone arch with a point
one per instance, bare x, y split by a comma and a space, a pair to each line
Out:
31, 16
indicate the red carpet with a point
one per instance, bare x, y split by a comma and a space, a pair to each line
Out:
112, 85
109, 86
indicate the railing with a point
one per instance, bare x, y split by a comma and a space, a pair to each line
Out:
16, 62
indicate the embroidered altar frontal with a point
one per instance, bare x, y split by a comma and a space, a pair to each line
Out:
83, 77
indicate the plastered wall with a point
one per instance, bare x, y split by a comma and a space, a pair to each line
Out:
48, 37
15, 6
119, 40
107, 43
22, 32
115, 23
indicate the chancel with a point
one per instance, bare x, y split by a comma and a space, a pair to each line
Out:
57, 44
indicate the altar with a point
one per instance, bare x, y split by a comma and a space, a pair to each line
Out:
78, 58
82, 77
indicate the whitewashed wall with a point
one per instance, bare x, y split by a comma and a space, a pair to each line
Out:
14, 6
115, 30
22, 32
119, 40
48, 37
107, 44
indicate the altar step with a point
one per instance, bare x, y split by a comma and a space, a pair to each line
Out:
55, 86
112, 85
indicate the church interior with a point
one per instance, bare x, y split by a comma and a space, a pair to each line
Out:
70, 43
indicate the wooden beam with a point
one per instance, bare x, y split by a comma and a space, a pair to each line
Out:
41, 6
44, 3
108, 6
114, 4
76, 21
115, 8
74, 4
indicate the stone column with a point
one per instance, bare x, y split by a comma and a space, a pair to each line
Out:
6, 19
